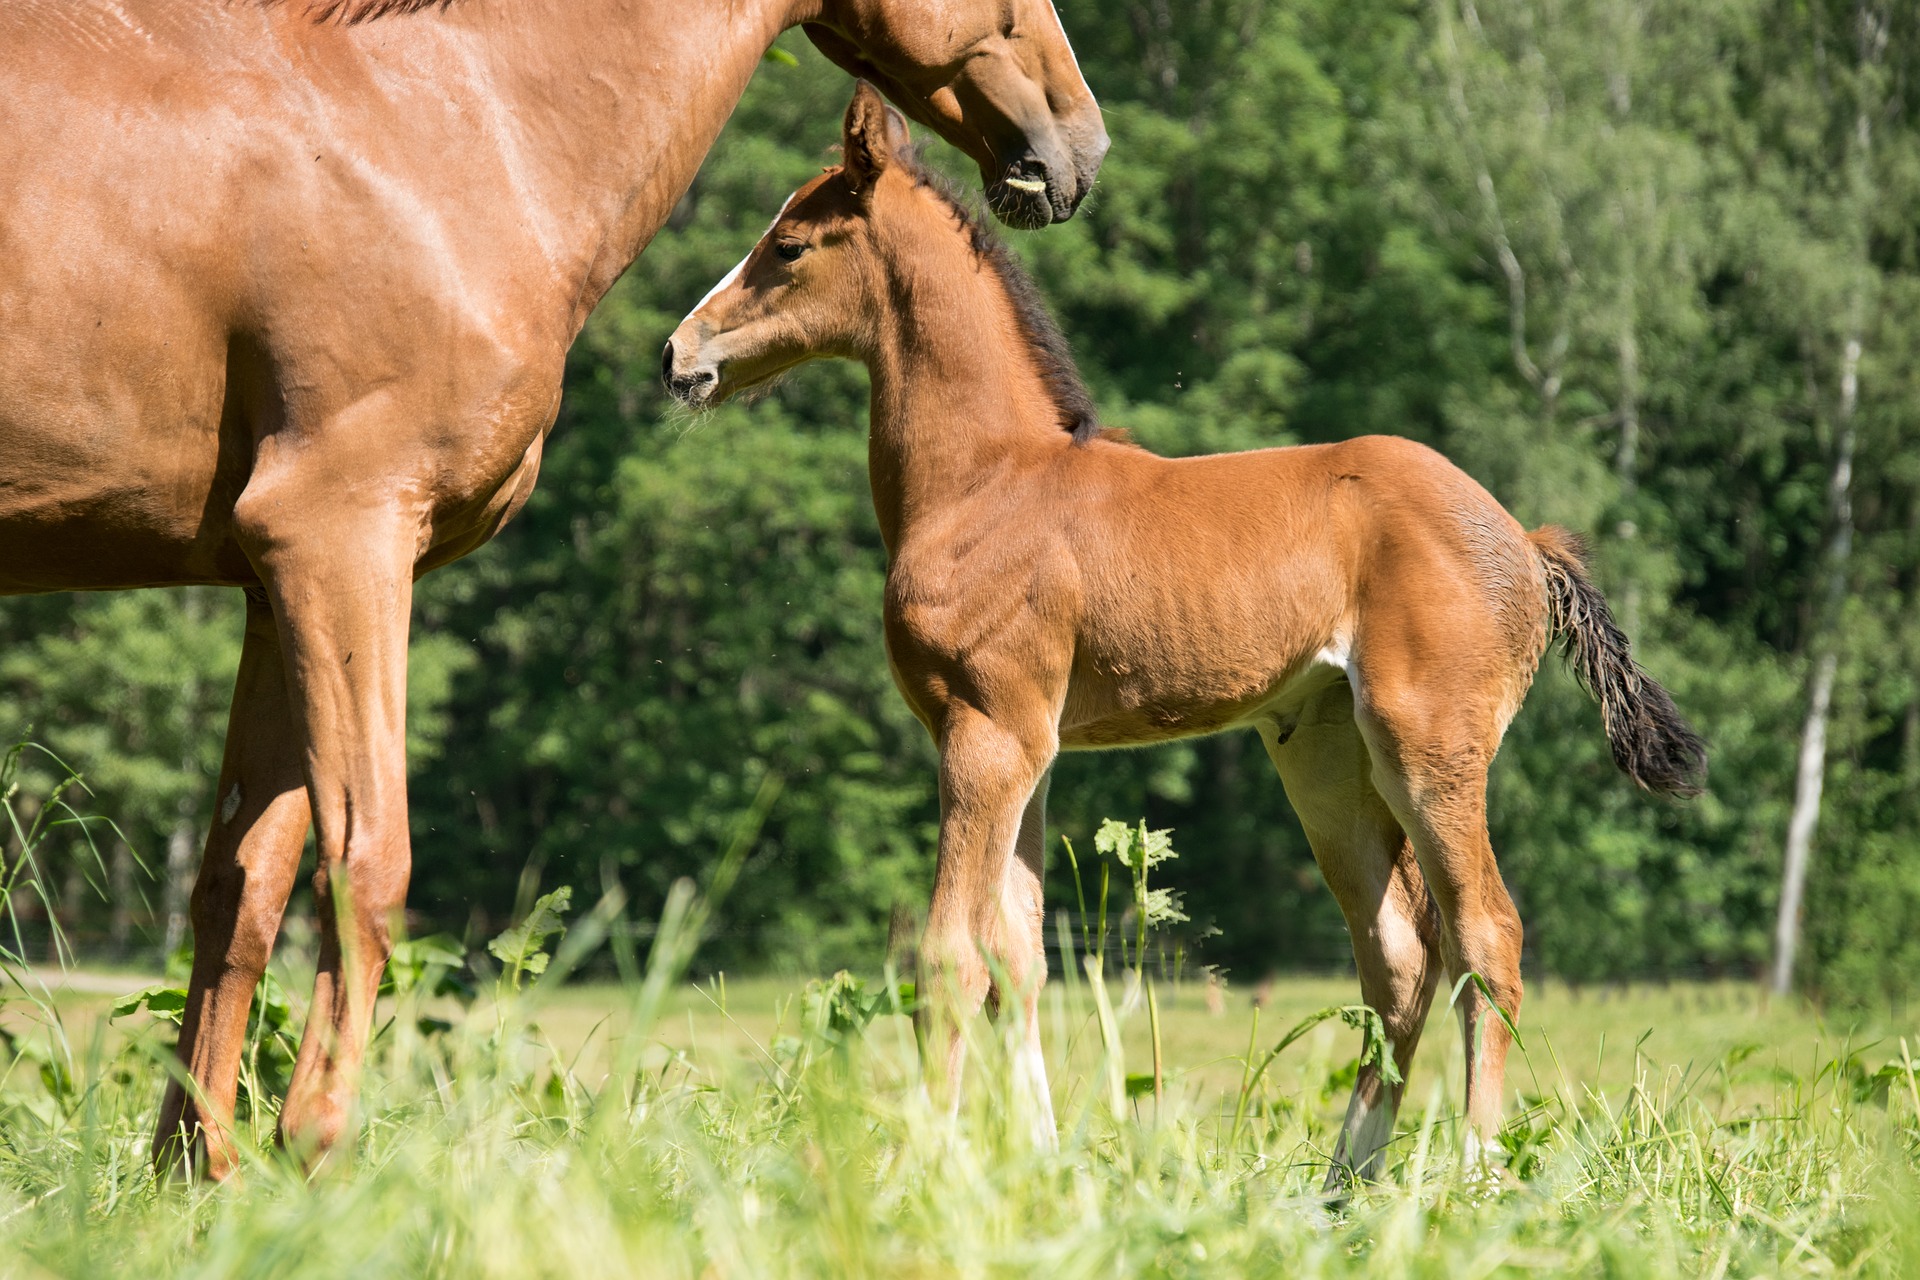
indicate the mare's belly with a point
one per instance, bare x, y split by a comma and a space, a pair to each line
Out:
86, 510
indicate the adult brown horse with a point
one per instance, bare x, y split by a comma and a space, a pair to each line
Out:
285, 295
1366, 607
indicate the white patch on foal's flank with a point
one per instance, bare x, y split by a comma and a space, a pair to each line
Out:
231, 805
739, 266
1338, 653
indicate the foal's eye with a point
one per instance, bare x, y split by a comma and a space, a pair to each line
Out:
789, 249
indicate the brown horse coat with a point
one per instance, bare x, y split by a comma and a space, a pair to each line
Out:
1366, 607
286, 292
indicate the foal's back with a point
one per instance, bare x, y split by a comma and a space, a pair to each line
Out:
1201, 591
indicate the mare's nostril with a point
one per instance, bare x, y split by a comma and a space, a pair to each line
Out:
666, 362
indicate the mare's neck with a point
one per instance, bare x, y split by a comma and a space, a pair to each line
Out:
605, 110
957, 402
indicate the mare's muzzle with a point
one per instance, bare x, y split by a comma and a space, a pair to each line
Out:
1046, 182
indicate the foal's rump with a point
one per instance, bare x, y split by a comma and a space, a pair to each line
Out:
1453, 593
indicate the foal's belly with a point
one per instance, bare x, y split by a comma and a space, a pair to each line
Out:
1120, 709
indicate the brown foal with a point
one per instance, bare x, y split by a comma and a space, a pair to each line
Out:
1366, 607
286, 291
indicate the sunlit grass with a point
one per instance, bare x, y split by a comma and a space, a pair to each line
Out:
622, 1130
773, 1128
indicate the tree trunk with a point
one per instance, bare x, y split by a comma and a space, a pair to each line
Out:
120, 910
1810, 776
1870, 22
179, 886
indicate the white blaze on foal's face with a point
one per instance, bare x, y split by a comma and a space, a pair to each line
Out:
796, 295
738, 267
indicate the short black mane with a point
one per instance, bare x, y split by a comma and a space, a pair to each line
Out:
1051, 353
350, 12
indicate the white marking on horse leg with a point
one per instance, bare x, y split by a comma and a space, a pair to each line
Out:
1030, 1090
956, 1066
1480, 1164
231, 805
1368, 1128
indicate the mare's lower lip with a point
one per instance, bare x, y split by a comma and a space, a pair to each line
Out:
1020, 205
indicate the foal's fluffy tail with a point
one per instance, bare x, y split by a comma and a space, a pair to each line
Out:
1651, 743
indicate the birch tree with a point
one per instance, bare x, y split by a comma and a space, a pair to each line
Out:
1856, 199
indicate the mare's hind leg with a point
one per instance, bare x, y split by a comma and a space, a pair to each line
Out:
1370, 867
1018, 948
1432, 726
253, 850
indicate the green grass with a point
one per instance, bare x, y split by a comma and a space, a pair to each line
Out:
644, 1130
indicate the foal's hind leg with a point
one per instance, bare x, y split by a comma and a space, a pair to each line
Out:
1369, 866
1432, 733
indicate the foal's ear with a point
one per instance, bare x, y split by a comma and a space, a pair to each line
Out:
871, 136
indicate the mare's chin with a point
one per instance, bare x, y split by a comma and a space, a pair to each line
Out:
1027, 208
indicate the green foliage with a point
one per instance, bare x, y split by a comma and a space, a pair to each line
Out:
495, 1156
1605, 256
522, 948
436, 965
838, 1009
162, 1001
1375, 1050
1138, 850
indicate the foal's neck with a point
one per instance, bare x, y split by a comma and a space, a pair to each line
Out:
957, 400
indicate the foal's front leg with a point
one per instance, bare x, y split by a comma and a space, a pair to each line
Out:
1019, 951
989, 771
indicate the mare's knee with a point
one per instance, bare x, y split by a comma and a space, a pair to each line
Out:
220, 906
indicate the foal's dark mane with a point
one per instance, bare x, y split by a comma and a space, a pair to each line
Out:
1052, 355
348, 12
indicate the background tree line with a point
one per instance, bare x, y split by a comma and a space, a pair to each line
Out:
1648, 270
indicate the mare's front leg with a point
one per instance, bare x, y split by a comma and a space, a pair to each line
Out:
340, 576
253, 851
989, 770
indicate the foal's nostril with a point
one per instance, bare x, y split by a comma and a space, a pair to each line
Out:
666, 362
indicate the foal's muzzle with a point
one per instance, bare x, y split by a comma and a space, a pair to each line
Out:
692, 387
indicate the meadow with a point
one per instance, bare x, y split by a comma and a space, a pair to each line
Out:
773, 1127
1642, 270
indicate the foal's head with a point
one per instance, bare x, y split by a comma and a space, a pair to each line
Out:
829, 276
813, 285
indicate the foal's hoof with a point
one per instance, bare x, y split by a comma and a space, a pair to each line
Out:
1484, 1176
